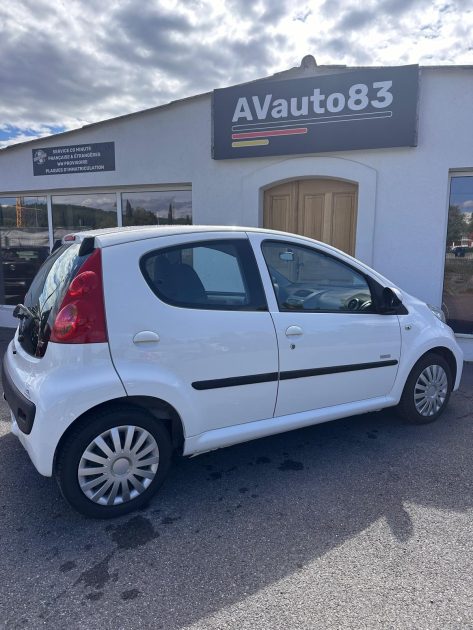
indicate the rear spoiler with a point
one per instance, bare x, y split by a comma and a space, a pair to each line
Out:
87, 244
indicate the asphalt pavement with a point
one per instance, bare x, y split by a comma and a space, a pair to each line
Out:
360, 523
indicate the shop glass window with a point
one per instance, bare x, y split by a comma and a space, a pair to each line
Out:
75, 213
24, 244
305, 279
458, 275
172, 207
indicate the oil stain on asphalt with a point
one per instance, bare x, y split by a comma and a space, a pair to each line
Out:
139, 531
136, 532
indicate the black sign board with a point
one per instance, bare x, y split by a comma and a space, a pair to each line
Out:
365, 109
74, 158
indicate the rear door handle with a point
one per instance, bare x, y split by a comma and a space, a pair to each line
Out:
146, 336
293, 331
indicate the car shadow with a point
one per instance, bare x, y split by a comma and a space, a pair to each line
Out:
229, 523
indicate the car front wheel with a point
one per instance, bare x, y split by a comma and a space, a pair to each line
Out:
427, 390
114, 462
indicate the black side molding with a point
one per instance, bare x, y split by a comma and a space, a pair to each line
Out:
23, 409
336, 369
251, 379
235, 381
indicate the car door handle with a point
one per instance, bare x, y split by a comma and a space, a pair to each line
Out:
146, 336
293, 331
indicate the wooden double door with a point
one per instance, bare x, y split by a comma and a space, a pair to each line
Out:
324, 209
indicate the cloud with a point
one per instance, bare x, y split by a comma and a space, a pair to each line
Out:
11, 135
356, 18
268, 12
399, 7
303, 15
68, 64
341, 47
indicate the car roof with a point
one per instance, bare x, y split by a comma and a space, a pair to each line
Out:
107, 237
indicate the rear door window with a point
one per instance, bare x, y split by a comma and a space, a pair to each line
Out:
208, 275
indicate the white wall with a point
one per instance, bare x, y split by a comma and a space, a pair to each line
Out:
403, 192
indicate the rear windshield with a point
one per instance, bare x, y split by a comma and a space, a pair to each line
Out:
45, 296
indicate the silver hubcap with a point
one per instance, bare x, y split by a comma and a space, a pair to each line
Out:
430, 390
118, 465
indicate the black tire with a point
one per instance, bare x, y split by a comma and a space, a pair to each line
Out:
80, 439
407, 405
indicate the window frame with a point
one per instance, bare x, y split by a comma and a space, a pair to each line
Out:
249, 269
452, 173
115, 190
148, 189
374, 287
78, 193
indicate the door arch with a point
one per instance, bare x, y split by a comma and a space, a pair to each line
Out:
324, 209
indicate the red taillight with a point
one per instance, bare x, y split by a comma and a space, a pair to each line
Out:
84, 283
81, 318
66, 323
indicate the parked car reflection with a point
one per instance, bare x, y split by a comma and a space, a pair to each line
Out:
20, 265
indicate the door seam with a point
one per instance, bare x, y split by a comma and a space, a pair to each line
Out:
279, 365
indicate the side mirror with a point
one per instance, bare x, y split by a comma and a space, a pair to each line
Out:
391, 300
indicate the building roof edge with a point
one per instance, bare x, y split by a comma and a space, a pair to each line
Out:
276, 75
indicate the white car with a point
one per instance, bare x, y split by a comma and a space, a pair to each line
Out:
134, 343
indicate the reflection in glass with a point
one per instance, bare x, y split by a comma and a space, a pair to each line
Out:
172, 207
24, 244
75, 213
307, 279
61, 269
458, 276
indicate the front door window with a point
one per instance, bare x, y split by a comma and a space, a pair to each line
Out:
305, 279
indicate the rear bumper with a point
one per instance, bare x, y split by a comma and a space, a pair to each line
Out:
53, 392
29, 444
22, 409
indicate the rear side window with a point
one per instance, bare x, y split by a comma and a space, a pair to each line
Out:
45, 296
208, 275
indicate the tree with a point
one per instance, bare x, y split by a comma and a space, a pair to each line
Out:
128, 212
470, 226
457, 228
141, 216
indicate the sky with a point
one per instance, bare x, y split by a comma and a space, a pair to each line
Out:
65, 64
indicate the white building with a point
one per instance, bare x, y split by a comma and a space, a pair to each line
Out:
387, 204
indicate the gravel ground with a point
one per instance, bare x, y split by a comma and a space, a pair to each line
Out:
359, 523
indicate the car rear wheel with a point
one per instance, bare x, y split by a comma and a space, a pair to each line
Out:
114, 463
427, 390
